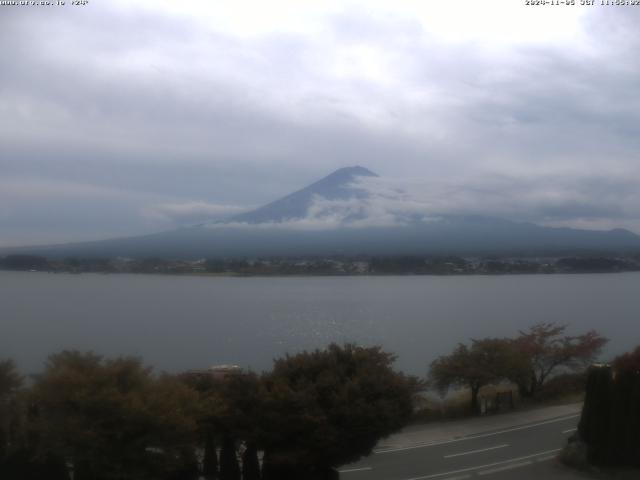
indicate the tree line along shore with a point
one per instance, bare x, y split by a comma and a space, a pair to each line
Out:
337, 265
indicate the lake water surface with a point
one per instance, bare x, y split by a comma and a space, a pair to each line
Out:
182, 322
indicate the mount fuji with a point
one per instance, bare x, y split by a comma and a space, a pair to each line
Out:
340, 215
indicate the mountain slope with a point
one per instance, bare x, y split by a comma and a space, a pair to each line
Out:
295, 225
336, 186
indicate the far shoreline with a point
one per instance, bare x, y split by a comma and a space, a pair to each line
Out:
323, 275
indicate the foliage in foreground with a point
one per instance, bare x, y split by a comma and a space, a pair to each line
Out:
336, 402
109, 419
528, 360
610, 421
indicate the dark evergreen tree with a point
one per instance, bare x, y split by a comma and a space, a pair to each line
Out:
187, 466
229, 468
330, 407
210, 460
594, 426
279, 467
610, 421
621, 449
626, 410
250, 463
25, 465
10, 383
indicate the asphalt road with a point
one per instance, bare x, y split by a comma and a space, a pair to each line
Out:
519, 452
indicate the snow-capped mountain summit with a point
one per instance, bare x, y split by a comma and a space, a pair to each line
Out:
339, 185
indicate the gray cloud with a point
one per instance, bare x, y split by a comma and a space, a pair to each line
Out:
191, 212
143, 120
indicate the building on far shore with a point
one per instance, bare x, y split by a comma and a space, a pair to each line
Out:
217, 372
222, 372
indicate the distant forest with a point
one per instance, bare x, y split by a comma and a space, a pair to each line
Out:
336, 265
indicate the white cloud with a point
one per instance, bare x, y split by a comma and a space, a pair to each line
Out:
550, 201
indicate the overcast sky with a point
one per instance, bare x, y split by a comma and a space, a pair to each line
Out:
124, 117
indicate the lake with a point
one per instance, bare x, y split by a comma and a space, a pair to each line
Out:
182, 322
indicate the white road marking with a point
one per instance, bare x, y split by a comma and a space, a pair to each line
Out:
459, 477
349, 470
547, 458
489, 465
476, 451
473, 437
569, 430
506, 467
